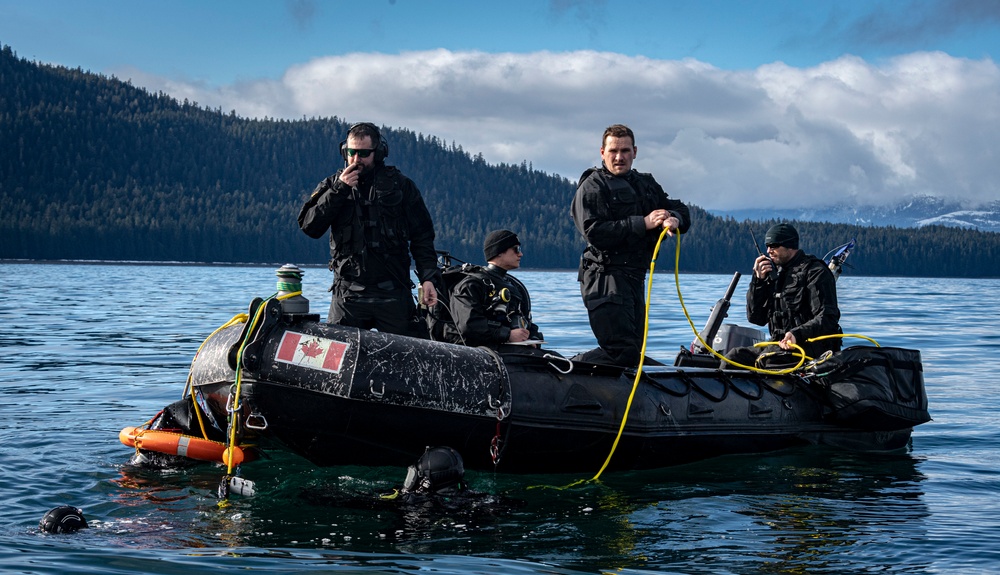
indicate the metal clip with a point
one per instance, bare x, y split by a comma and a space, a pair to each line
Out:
568, 361
251, 422
232, 401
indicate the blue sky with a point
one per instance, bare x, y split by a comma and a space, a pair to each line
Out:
784, 102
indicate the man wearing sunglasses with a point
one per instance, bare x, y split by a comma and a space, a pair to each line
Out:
795, 294
490, 307
621, 213
377, 220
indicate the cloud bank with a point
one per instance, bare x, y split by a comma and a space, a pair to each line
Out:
845, 131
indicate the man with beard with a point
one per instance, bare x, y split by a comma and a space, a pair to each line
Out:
795, 294
377, 219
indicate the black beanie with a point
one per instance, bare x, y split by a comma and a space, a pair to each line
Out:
499, 241
782, 235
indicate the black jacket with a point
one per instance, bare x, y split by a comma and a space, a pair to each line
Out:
374, 228
608, 211
480, 315
802, 300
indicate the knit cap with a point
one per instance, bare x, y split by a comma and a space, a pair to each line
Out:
782, 235
499, 241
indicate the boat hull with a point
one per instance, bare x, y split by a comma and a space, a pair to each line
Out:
339, 395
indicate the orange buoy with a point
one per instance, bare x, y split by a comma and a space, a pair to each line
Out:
184, 445
237, 456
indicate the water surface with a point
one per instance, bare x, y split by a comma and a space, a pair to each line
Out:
88, 349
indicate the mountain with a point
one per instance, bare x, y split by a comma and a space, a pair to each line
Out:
984, 218
94, 168
916, 212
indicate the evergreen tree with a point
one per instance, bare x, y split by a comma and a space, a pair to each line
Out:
94, 168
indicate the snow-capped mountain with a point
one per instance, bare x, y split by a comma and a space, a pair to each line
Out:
917, 212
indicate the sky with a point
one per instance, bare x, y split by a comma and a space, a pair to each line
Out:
735, 103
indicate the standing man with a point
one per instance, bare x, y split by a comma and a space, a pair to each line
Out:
620, 212
797, 301
377, 220
491, 307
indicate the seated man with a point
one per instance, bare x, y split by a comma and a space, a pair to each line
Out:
490, 307
795, 294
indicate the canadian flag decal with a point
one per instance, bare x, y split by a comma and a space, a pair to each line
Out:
312, 352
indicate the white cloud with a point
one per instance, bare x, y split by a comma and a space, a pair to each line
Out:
923, 123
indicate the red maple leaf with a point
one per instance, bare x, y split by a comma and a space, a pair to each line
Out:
311, 348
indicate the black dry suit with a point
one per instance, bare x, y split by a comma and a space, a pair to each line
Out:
802, 300
486, 305
371, 229
609, 212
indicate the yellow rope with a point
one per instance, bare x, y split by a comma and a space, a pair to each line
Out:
857, 335
645, 335
238, 318
800, 353
239, 382
233, 424
642, 354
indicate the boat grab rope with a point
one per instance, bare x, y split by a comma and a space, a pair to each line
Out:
496, 444
558, 358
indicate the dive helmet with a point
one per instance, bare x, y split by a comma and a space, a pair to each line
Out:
437, 468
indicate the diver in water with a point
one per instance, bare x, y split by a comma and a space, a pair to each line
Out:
63, 519
434, 485
438, 475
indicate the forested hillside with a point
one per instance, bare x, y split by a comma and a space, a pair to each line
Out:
94, 168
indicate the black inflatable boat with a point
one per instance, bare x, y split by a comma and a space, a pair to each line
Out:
339, 395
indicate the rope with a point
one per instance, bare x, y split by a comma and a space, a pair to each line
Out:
238, 382
238, 318
289, 280
235, 396
799, 352
645, 336
642, 353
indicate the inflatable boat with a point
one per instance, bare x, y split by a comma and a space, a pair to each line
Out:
280, 378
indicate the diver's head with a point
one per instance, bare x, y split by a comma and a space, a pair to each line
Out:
438, 468
63, 519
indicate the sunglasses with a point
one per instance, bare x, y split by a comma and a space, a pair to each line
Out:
517, 249
351, 152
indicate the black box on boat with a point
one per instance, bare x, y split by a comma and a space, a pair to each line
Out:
876, 388
732, 336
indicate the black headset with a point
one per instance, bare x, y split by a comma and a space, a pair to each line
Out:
381, 147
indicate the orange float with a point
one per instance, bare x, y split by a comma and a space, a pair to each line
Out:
184, 445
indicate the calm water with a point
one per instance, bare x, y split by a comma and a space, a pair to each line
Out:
88, 349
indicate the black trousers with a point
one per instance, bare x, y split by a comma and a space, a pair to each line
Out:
388, 311
616, 307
